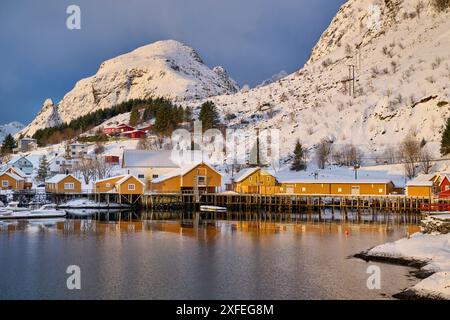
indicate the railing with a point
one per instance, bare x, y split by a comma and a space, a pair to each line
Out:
435, 207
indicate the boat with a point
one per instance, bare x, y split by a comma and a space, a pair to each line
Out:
46, 211
14, 206
212, 209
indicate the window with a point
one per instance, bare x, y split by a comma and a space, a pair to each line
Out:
250, 179
141, 176
303, 189
5, 183
339, 189
69, 186
108, 185
201, 180
131, 187
57, 161
268, 179
155, 176
380, 190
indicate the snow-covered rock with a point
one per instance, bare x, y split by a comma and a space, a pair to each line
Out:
433, 250
10, 128
402, 82
273, 78
167, 69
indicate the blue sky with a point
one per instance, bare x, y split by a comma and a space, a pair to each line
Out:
252, 39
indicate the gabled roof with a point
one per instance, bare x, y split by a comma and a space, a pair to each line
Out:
19, 172
12, 175
126, 177
16, 158
182, 172
110, 178
148, 159
244, 173
59, 177
419, 183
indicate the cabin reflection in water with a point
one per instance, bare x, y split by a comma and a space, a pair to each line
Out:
202, 231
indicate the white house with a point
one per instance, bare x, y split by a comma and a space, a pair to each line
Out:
27, 144
78, 149
22, 163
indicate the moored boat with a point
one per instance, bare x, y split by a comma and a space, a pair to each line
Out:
46, 211
212, 209
14, 206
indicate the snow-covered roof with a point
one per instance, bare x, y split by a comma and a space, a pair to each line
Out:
16, 158
12, 175
126, 177
147, 159
244, 173
182, 171
341, 181
419, 183
17, 171
59, 177
110, 178
425, 177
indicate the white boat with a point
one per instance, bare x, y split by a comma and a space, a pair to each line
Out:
4, 212
46, 211
212, 209
14, 206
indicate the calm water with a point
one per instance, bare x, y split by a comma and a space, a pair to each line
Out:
162, 260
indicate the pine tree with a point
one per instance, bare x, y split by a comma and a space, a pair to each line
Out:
8, 145
209, 115
43, 169
445, 142
134, 117
299, 157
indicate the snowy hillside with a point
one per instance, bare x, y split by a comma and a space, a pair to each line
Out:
162, 69
401, 54
10, 128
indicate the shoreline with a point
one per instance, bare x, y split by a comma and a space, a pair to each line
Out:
411, 293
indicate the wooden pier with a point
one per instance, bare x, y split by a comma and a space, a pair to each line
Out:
284, 203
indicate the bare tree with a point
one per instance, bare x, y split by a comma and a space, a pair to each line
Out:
425, 160
84, 169
101, 169
323, 152
348, 155
410, 152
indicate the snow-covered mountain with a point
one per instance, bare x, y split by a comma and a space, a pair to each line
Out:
10, 128
162, 69
401, 53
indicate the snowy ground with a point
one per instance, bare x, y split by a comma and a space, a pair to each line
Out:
432, 249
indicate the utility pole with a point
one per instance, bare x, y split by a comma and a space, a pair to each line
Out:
356, 167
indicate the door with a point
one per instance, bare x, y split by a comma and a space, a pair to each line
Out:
355, 190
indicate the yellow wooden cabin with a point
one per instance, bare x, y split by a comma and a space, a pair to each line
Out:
63, 183
123, 184
337, 187
255, 181
200, 176
11, 181
419, 188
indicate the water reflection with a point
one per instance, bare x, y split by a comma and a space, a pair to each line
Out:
125, 256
